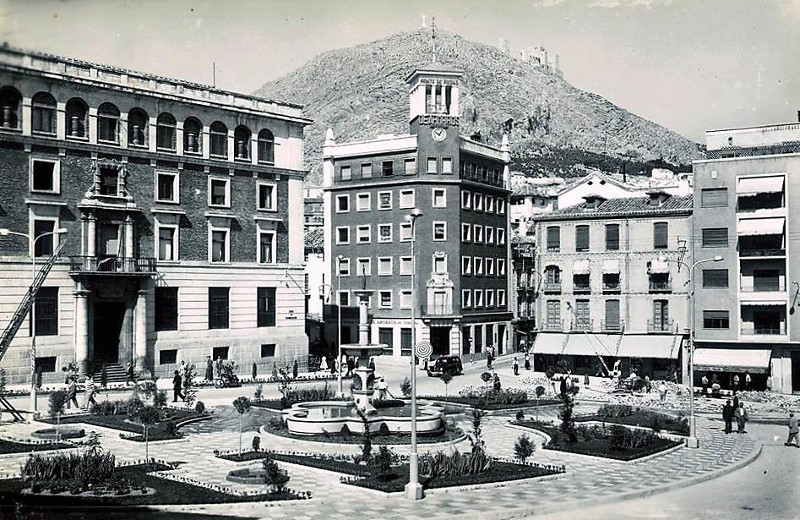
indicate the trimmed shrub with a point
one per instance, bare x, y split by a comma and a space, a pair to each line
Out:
200, 407
524, 448
380, 465
405, 387
291, 395
615, 410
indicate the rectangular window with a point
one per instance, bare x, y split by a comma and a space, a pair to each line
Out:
166, 308
612, 315
477, 264
440, 264
366, 171
343, 235
466, 232
218, 307
268, 350
344, 266
219, 192
405, 232
45, 176
385, 299
478, 298
384, 233
466, 200
363, 267
107, 127
489, 298
167, 243
168, 356
266, 247
716, 320
466, 298
501, 237
345, 173
612, 237
439, 231
384, 200
167, 187
344, 298
466, 265
447, 165
439, 198
220, 353
342, 203
553, 239
364, 234
553, 314
45, 312
45, 364
501, 297
405, 341
581, 238
386, 336
715, 237
661, 321
410, 166
405, 266
714, 197
108, 183
387, 168
363, 202
267, 197
406, 198
432, 164
478, 234
660, 235
45, 245
385, 266
501, 206
219, 245
489, 266
715, 278
489, 235
405, 299
265, 300
501, 267
477, 202
489, 204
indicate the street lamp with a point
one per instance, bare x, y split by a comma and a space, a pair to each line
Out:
692, 441
339, 321
413, 488
32, 249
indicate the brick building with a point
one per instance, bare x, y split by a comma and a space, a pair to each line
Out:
461, 186
183, 210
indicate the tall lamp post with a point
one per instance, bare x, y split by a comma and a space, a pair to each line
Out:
413, 488
32, 247
692, 441
339, 321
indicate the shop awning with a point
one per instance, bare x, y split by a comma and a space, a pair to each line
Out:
732, 360
548, 343
580, 267
581, 344
756, 185
760, 226
610, 266
659, 266
659, 346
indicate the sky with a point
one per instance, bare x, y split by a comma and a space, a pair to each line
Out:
690, 65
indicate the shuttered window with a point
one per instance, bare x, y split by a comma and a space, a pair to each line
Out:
715, 237
714, 197
612, 315
612, 237
553, 239
716, 320
660, 235
715, 278
581, 238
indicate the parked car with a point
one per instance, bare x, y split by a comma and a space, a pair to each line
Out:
451, 364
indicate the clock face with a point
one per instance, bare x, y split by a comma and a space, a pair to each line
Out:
438, 134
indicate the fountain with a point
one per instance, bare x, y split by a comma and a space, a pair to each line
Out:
317, 417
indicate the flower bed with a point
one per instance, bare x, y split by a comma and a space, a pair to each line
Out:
630, 416
164, 430
12, 446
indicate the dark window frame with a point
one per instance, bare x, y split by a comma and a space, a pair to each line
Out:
266, 307
716, 320
166, 308
218, 308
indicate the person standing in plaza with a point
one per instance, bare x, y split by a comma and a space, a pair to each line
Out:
563, 386
496, 383
793, 431
515, 365
662, 391
727, 416
209, 369
735, 383
129, 374
741, 418
323, 364
72, 392
747, 380
527, 361
177, 383
704, 384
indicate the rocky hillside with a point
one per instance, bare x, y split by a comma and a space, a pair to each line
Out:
360, 92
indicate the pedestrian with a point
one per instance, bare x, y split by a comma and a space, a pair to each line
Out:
704, 384
209, 369
586, 381
741, 418
489, 359
218, 366
182, 368
662, 391
295, 369
735, 402
177, 384
323, 364
129, 378
527, 361
793, 431
747, 380
769, 384
334, 362
727, 416
72, 392
496, 384
715, 389
568, 381
91, 389
356, 362
735, 383
562, 387
515, 365
648, 385
350, 364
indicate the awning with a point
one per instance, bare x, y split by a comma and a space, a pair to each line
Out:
575, 344
756, 185
610, 266
548, 343
580, 267
660, 346
732, 360
761, 226
659, 266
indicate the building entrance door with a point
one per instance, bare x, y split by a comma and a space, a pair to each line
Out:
440, 340
796, 372
107, 330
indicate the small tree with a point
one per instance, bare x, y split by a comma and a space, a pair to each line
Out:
523, 448
477, 431
189, 390
446, 378
539, 393
242, 405
259, 393
58, 400
405, 387
486, 377
146, 416
104, 377
567, 422
366, 448
274, 476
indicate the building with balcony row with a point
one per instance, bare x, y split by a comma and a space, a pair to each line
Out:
460, 184
182, 206
746, 306
609, 283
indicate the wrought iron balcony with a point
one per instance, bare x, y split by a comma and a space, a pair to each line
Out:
765, 329
552, 287
112, 265
660, 286
553, 326
437, 310
612, 287
582, 325
661, 326
612, 326
745, 253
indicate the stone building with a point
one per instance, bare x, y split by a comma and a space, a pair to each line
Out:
182, 206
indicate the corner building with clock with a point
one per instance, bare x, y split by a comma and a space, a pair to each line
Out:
461, 187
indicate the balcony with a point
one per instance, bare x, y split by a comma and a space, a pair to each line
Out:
581, 289
437, 310
612, 287
660, 286
767, 329
612, 326
552, 287
751, 253
662, 326
112, 265
553, 326
582, 325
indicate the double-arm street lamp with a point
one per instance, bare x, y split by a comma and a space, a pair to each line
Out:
692, 441
413, 488
32, 248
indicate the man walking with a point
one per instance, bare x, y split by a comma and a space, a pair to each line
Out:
704, 384
727, 416
72, 393
516, 366
177, 384
209, 369
741, 418
91, 389
793, 431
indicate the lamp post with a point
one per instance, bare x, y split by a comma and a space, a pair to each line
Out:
32, 248
413, 488
339, 321
692, 441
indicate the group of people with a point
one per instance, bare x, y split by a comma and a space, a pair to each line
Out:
348, 364
734, 411
737, 383
515, 363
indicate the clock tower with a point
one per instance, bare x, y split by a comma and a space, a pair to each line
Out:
434, 107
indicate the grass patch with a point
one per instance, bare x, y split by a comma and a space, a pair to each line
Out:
7, 446
442, 435
644, 418
164, 430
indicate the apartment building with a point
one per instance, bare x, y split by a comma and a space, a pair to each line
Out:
746, 314
611, 286
181, 211
460, 184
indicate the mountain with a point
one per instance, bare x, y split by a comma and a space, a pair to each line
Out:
360, 92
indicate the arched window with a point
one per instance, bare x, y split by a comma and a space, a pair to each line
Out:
43, 114
266, 147
552, 275
10, 102
241, 138
108, 123
219, 139
138, 124
192, 136
166, 132
77, 118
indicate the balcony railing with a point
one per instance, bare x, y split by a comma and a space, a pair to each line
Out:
661, 326
581, 325
581, 289
112, 265
553, 326
766, 330
744, 253
612, 326
437, 310
659, 286
777, 287
611, 287
552, 286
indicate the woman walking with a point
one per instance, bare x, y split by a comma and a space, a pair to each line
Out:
91, 389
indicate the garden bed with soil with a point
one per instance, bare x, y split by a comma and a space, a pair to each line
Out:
164, 430
642, 418
442, 435
9, 446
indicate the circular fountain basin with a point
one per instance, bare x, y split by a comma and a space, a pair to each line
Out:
317, 417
